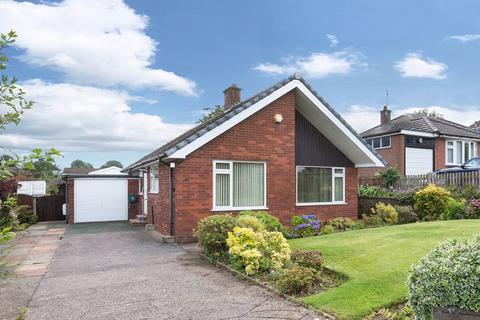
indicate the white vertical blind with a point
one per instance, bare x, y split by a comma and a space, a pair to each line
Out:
248, 184
320, 185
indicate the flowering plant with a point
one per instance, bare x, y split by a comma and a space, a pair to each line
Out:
473, 209
305, 225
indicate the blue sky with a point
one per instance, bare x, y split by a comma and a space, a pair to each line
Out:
114, 80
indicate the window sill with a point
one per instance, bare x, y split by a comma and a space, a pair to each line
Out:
154, 192
320, 204
238, 209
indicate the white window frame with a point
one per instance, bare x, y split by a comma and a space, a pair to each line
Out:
334, 175
472, 151
370, 142
153, 187
230, 173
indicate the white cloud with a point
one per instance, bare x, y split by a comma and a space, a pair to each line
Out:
91, 42
362, 117
333, 39
415, 66
82, 118
316, 65
466, 37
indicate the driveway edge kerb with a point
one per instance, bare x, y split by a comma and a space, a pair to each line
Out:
261, 284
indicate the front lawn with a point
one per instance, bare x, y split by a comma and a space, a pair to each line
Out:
376, 262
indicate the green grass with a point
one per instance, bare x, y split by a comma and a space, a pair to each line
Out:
377, 262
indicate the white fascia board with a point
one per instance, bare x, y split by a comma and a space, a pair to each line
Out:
419, 133
189, 148
459, 138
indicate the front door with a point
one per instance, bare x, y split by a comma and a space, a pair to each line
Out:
145, 193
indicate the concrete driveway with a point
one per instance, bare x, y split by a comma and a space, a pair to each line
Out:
114, 271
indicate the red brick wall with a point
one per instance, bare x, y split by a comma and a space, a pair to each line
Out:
70, 202
439, 153
159, 203
135, 207
257, 138
395, 156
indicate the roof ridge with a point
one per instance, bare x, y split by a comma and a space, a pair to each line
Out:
430, 124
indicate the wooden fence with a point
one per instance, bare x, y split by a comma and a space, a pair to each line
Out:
458, 180
47, 208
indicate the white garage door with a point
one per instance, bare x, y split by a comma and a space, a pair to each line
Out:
100, 200
418, 161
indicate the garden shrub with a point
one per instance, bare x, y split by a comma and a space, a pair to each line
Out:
305, 226
341, 223
390, 176
371, 192
250, 222
296, 280
406, 214
447, 276
212, 233
308, 258
386, 212
257, 252
327, 229
372, 221
431, 202
455, 209
25, 214
271, 223
358, 225
473, 209
6, 234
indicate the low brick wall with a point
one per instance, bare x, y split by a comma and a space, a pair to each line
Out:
366, 204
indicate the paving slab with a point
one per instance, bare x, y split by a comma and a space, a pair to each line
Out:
114, 271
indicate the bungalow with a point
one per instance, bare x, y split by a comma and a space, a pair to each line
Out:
419, 144
284, 150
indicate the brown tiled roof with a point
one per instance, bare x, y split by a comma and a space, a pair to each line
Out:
421, 123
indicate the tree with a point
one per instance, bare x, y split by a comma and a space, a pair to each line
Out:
45, 170
429, 113
80, 164
114, 163
13, 104
212, 112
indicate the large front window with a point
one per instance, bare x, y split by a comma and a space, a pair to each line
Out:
238, 185
320, 185
460, 151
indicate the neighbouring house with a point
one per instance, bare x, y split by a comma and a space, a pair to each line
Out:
94, 195
284, 150
419, 144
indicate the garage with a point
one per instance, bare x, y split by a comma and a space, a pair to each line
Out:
100, 195
418, 161
100, 199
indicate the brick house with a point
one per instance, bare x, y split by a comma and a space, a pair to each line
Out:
419, 144
284, 150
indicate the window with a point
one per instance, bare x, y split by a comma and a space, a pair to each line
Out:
154, 179
380, 143
459, 151
238, 185
320, 185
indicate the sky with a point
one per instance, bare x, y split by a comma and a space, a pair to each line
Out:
115, 79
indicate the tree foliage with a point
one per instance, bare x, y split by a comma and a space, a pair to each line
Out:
112, 163
211, 112
80, 164
429, 113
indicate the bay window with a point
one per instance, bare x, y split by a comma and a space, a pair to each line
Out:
153, 179
459, 151
320, 185
238, 185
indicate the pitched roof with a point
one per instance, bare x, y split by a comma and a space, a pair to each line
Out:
191, 135
422, 123
75, 171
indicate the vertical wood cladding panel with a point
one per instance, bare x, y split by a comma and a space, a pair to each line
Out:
312, 148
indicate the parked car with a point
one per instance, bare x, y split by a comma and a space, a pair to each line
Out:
471, 165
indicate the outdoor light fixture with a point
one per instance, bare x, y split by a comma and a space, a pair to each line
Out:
278, 118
